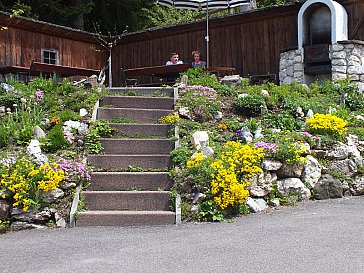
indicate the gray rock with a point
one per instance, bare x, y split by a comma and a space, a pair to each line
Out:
357, 186
311, 172
288, 170
34, 147
293, 186
328, 187
199, 139
346, 167
52, 196
38, 132
184, 112
261, 184
247, 136
271, 165
309, 113
5, 207
256, 205
275, 203
66, 185
207, 151
232, 81
17, 226
60, 221
258, 133
83, 129
218, 115
339, 152
83, 112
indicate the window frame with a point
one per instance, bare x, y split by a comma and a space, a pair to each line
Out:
49, 60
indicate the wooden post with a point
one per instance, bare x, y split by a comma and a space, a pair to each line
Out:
110, 65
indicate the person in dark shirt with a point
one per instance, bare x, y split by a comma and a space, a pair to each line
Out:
197, 60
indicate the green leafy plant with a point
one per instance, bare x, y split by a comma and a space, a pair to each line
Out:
251, 105
55, 140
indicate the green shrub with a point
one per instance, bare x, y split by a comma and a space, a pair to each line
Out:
284, 122
68, 115
251, 105
55, 139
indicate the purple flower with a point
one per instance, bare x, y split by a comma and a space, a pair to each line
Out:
269, 147
39, 94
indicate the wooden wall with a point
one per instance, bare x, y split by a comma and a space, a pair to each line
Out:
251, 42
23, 39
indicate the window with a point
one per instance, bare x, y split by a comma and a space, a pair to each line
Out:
50, 56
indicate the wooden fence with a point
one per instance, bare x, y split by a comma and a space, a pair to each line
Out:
251, 41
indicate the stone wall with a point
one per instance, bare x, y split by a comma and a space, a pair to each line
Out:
347, 60
291, 66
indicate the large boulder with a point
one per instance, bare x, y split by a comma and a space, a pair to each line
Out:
293, 187
328, 187
357, 186
347, 167
271, 165
262, 184
5, 207
311, 172
256, 205
290, 170
199, 139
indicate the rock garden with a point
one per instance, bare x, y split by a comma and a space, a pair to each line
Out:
241, 148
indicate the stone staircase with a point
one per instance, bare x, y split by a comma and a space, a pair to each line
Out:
130, 183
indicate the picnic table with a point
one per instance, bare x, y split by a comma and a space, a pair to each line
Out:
160, 74
37, 68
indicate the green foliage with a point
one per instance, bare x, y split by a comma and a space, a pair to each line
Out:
181, 155
252, 124
55, 140
97, 130
251, 105
234, 124
16, 126
267, 3
284, 122
210, 212
68, 115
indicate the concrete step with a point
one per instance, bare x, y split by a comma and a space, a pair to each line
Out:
156, 161
125, 218
134, 114
138, 102
121, 181
137, 146
126, 200
142, 129
146, 91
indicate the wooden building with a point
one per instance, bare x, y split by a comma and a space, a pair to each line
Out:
250, 41
23, 40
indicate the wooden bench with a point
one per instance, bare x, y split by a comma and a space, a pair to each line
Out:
37, 68
264, 78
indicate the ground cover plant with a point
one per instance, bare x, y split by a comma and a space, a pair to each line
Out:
246, 126
44, 128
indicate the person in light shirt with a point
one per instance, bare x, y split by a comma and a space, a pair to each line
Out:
174, 59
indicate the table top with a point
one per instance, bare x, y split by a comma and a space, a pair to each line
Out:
159, 71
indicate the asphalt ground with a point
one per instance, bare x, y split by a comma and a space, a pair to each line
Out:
318, 236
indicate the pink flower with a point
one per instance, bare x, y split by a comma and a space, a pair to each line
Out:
39, 94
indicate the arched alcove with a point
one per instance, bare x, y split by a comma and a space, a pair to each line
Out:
319, 11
